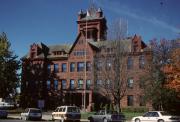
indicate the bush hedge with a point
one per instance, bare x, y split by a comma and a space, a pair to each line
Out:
135, 109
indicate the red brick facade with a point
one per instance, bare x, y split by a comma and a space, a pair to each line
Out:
67, 76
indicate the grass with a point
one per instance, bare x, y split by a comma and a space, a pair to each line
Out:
129, 115
85, 115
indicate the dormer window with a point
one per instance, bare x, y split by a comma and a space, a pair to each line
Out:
58, 52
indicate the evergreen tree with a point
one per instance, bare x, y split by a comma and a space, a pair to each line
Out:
9, 66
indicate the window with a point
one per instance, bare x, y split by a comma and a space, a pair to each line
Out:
141, 62
99, 82
108, 64
63, 84
141, 101
48, 85
56, 68
55, 84
108, 84
130, 83
129, 63
130, 100
72, 67
71, 84
80, 53
80, 66
88, 84
64, 67
80, 84
99, 66
49, 68
88, 66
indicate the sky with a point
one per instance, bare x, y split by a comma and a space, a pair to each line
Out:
54, 21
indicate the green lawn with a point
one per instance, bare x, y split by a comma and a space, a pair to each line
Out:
129, 115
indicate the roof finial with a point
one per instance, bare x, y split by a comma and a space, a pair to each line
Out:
80, 12
87, 14
99, 10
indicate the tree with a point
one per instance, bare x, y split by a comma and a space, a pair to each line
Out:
110, 68
173, 70
162, 98
9, 65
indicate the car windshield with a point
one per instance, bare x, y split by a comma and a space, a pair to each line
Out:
62, 109
35, 111
73, 109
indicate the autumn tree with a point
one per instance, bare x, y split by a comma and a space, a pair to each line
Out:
110, 68
9, 66
173, 70
161, 97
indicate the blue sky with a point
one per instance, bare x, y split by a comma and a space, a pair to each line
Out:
54, 21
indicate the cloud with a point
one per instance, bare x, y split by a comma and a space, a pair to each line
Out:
133, 14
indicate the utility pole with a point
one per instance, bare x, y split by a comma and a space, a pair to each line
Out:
85, 77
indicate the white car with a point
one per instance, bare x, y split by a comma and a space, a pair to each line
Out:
156, 116
64, 113
31, 114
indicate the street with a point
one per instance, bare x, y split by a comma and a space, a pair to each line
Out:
15, 120
45, 118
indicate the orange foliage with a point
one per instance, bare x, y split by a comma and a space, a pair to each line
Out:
173, 71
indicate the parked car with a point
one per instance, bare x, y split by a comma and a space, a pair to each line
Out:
3, 113
64, 113
107, 116
31, 114
156, 116
6, 105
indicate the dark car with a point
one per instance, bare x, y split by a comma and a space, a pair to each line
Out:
107, 116
31, 114
3, 113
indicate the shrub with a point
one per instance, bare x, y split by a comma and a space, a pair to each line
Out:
135, 109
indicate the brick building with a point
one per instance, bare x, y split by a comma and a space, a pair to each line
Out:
64, 74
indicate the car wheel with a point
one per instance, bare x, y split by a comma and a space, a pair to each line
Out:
25, 118
137, 120
52, 118
105, 120
160, 120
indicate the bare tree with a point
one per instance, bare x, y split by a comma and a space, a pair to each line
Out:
110, 64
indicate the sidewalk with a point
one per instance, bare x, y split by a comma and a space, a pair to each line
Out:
45, 116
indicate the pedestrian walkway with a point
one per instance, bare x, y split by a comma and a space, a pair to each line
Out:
45, 116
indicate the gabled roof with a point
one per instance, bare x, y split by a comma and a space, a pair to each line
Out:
99, 44
65, 48
52, 48
75, 42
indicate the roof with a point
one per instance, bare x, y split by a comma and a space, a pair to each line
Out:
52, 48
126, 43
65, 48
